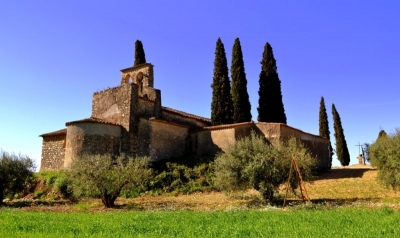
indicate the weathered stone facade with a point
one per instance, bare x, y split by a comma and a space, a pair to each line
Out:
130, 119
53, 150
91, 136
214, 139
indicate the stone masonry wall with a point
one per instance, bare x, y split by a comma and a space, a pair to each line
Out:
148, 108
144, 137
130, 75
217, 138
91, 138
167, 140
120, 105
176, 118
53, 153
116, 104
210, 142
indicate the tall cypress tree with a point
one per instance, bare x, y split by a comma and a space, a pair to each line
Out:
342, 151
221, 105
140, 57
324, 125
270, 105
240, 97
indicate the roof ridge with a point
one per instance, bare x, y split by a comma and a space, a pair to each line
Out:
186, 114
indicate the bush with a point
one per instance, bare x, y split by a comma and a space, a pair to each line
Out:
384, 154
62, 185
183, 175
106, 176
16, 171
253, 163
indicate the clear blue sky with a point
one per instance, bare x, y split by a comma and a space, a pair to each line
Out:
55, 54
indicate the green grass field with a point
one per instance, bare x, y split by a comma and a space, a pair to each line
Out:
339, 222
345, 202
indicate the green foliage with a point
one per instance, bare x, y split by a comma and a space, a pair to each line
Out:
382, 135
49, 177
16, 172
140, 57
324, 125
346, 222
38, 194
106, 176
252, 163
240, 97
342, 151
183, 176
270, 105
221, 105
384, 154
62, 185
56, 182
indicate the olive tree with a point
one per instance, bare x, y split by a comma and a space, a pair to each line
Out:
384, 154
105, 176
251, 162
16, 171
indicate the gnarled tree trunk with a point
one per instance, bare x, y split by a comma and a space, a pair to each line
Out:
108, 199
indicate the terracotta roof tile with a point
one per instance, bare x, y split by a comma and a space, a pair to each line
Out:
226, 126
185, 114
91, 120
136, 67
55, 133
167, 122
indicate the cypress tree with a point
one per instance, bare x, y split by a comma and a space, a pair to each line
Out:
221, 105
240, 97
342, 151
324, 125
270, 105
140, 57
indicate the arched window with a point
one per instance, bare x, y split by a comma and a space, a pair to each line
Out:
127, 79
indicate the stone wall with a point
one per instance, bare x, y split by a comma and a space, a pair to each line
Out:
167, 139
144, 137
148, 108
91, 138
120, 105
142, 75
177, 117
214, 139
53, 153
210, 142
116, 105
271, 131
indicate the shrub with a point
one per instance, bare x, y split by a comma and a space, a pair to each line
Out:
62, 185
16, 171
253, 163
106, 176
38, 194
183, 175
384, 154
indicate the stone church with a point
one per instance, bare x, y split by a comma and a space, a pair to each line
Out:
130, 119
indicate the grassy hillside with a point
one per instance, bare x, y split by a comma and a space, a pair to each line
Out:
349, 186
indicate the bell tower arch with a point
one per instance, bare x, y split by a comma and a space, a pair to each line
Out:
142, 75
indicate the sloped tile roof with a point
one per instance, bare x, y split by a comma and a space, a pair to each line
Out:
185, 114
55, 133
136, 67
167, 122
226, 126
91, 120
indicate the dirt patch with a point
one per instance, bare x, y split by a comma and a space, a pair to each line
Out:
352, 171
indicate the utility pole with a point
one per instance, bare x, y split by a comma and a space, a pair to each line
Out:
359, 148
